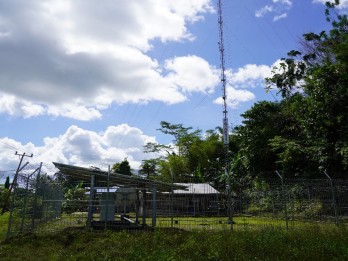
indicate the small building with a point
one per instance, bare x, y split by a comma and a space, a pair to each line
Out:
197, 199
200, 199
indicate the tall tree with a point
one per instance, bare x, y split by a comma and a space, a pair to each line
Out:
7, 183
320, 71
149, 168
191, 155
261, 123
122, 167
182, 135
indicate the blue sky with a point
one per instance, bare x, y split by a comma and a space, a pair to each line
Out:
88, 82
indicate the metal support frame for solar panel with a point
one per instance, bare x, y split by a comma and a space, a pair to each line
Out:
98, 178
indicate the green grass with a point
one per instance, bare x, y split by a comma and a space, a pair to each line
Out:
79, 219
240, 222
3, 225
204, 238
174, 244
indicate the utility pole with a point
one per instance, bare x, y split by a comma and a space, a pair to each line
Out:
14, 182
225, 114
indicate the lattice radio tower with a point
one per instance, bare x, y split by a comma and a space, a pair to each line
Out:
225, 113
223, 82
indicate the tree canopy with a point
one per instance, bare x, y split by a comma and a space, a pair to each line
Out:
313, 83
122, 167
192, 155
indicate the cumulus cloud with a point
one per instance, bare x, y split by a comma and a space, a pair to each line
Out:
75, 58
343, 3
277, 7
14, 106
192, 73
235, 97
249, 76
10, 105
82, 147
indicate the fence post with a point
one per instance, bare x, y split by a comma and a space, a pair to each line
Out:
90, 203
144, 207
14, 186
229, 198
284, 200
107, 200
26, 197
154, 205
35, 197
333, 197
171, 199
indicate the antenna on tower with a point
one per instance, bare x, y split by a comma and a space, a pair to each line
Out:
225, 113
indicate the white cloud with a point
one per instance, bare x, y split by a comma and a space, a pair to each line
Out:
277, 7
10, 105
75, 112
343, 3
264, 10
192, 73
82, 147
248, 76
285, 2
235, 97
17, 107
75, 58
278, 17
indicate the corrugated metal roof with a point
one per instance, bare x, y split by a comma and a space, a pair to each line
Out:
196, 188
78, 174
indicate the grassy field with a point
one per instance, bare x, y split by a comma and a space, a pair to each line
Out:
78, 220
209, 238
3, 225
174, 244
240, 222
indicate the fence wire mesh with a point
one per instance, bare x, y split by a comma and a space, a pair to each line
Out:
97, 200
35, 200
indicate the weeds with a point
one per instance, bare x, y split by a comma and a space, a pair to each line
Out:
169, 244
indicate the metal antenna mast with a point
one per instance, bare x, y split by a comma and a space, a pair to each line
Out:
223, 81
225, 118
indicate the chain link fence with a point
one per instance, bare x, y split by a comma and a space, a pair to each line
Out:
291, 203
35, 199
40, 203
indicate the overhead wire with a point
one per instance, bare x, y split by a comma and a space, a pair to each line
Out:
161, 57
9, 145
136, 112
260, 27
228, 29
197, 50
